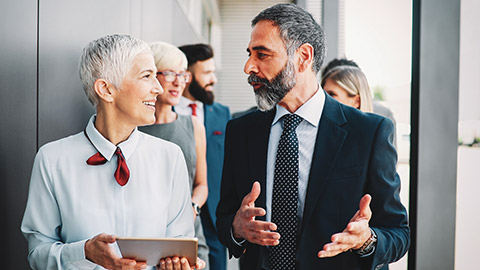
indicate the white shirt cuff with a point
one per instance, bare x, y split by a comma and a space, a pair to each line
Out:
240, 244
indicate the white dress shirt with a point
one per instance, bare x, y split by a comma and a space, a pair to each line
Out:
70, 201
311, 112
183, 108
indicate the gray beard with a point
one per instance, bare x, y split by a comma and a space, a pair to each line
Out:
272, 92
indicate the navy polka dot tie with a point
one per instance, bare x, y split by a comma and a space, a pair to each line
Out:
285, 196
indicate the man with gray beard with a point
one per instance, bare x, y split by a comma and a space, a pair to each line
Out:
308, 183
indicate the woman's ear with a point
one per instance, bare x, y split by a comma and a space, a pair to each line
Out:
102, 88
305, 57
357, 102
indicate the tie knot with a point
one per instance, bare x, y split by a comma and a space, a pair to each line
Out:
194, 108
291, 121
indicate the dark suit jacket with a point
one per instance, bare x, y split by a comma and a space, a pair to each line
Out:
353, 156
216, 118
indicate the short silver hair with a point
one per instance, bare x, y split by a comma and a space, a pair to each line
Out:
108, 58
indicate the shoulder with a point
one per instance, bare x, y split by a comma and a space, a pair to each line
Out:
250, 119
366, 122
63, 146
151, 142
219, 107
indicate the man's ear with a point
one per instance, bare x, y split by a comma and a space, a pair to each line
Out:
103, 90
305, 57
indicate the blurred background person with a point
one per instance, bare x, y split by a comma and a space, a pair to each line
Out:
376, 105
184, 130
110, 177
198, 99
349, 86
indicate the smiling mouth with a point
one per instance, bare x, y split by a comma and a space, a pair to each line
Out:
149, 103
174, 93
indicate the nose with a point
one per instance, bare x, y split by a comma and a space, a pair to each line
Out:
157, 87
214, 78
250, 67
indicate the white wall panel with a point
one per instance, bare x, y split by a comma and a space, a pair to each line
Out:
233, 89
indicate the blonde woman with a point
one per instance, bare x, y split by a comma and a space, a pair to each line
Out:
185, 131
348, 85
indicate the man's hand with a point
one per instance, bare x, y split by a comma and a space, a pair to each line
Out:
98, 251
246, 227
355, 234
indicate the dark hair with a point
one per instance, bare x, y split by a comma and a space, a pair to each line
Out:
197, 52
338, 62
297, 27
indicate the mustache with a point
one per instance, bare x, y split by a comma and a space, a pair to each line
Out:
252, 78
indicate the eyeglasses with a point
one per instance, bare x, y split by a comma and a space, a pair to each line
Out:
170, 76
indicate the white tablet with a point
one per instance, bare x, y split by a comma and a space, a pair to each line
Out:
151, 250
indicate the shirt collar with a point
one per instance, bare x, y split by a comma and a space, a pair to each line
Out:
105, 147
311, 111
184, 102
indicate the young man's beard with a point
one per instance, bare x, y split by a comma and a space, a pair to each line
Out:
200, 93
273, 91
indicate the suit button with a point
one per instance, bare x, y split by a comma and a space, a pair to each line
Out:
379, 266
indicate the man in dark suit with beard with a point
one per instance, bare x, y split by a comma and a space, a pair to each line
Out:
308, 183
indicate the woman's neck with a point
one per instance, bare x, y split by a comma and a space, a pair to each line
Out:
114, 131
164, 114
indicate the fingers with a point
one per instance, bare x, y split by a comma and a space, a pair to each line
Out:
252, 212
174, 263
257, 225
185, 265
341, 242
122, 263
250, 198
162, 265
332, 249
365, 211
264, 238
140, 265
200, 264
168, 264
107, 238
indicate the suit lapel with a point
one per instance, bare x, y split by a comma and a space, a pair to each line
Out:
206, 120
330, 138
258, 137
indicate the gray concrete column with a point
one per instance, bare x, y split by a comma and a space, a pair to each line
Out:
435, 69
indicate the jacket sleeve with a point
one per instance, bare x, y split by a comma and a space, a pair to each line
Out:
229, 201
389, 216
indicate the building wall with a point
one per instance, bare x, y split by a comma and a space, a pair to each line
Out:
233, 89
41, 96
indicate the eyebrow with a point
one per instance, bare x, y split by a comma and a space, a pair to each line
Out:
148, 70
259, 48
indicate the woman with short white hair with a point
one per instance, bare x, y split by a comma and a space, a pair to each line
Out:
110, 179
